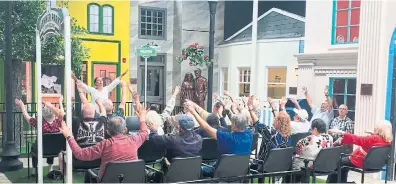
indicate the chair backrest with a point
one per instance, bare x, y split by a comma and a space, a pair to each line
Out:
127, 171
132, 124
149, 152
255, 141
279, 159
79, 164
184, 169
296, 137
209, 149
377, 157
328, 159
230, 165
53, 143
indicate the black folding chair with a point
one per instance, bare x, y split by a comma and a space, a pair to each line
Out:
279, 162
150, 153
255, 144
374, 162
132, 124
209, 150
230, 165
182, 169
327, 162
122, 172
53, 144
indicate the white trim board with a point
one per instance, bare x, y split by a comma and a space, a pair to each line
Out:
277, 10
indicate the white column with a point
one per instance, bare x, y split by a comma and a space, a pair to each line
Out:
306, 77
253, 69
39, 111
68, 87
371, 65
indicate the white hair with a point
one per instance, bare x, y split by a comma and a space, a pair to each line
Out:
385, 130
153, 118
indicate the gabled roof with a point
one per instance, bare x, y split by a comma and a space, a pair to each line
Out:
288, 17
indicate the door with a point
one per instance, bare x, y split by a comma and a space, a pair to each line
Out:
155, 84
108, 72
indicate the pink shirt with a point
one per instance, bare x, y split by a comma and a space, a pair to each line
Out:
116, 148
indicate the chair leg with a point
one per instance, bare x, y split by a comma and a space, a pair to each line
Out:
362, 180
313, 178
386, 174
28, 164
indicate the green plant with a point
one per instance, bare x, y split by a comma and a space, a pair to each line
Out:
195, 54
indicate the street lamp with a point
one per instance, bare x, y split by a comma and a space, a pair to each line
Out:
9, 155
212, 9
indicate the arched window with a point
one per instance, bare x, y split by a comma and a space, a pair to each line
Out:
93, 19
107, 19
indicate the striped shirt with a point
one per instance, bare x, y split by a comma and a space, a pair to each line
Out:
116, 148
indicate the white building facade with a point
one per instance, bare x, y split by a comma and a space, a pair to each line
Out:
279, 37
350, 46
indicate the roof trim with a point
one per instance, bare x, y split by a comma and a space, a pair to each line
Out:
277, 10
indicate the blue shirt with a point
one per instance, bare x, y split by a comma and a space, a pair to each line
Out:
238, 143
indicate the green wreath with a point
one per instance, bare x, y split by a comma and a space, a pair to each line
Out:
195, 54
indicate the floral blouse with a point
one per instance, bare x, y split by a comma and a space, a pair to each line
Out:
310, 147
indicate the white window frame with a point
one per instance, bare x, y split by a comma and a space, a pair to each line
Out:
241, 71
276, 83
107, 25
222, 81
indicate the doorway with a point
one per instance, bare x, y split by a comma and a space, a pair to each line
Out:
108, 72
155, 79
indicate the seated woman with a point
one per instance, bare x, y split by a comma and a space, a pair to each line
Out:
310, 146
382, 136
52, 119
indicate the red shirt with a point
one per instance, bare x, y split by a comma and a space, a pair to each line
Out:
47, 126
365, 143
116, 148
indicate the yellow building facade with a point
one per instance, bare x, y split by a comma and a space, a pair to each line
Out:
107, 23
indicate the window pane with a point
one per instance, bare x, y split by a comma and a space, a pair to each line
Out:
148, 32
338, 86
159, 27
143, 12
244, 89
148, 19
351, 100
148, 26
351, 88
277, 75
355, 16
160, 14
142, 26
143, 32
155, 20
160, 33
354, 34
355, 3
338, 100
276, 91
342, 4
148, 13
342, 18
143, 19
159, 20
341, 35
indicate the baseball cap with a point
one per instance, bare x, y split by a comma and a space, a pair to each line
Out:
186, 122
302, 113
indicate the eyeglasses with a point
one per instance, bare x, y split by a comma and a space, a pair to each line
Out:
342, 109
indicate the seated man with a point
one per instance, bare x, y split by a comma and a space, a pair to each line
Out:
239, 141
300, 123
117, 148
186, 144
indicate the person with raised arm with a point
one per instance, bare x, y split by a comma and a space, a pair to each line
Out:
99, 91
52, 118
325, 112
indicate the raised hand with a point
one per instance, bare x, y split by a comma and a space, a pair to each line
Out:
190, 107
250, 102
65, 129
176, 91
123, 74
142, 111
135, 96
283, 101
305, 90
19, 103
98, 101
326, 90
294, 100
226, 93
74, 77
61, 98
215, 96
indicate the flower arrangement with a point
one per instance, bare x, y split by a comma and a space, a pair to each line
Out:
195, 54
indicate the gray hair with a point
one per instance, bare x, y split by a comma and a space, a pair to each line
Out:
108, 105
116, 125
240, 121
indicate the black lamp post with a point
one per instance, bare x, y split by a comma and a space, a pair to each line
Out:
212, 9
9, 155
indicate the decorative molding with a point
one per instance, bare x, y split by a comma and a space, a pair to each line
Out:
322, 71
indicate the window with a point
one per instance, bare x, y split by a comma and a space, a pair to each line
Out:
346, 21
224, 79
301, 46
101, 19
152, 23
343, 91
244, 82
93, 12
107, 19
276, 82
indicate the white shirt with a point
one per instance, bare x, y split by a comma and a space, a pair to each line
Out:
103, 95
300, 127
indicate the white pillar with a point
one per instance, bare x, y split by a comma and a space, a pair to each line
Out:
371, 65
39, 111
253, 69
68, 87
